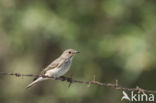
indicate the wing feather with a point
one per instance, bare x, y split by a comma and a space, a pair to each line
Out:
57, 63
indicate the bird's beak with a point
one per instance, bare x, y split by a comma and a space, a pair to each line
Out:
77, 52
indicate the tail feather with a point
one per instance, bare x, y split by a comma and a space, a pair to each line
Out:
35, 82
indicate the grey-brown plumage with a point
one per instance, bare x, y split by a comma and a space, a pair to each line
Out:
58, 67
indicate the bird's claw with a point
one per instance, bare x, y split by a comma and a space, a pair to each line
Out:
69, 80
63, 78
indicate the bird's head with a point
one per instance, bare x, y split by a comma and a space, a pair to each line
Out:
69, 53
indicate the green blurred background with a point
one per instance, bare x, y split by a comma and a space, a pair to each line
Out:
116, 39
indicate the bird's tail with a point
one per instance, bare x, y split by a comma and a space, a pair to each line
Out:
35, 82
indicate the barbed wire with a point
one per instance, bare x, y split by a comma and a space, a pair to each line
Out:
89, 83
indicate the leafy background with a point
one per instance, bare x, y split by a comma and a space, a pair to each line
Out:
116, 39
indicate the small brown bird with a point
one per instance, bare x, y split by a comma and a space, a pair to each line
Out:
58, 67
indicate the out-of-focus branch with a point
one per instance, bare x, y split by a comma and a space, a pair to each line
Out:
89, 83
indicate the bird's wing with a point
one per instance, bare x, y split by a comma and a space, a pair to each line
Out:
55, 64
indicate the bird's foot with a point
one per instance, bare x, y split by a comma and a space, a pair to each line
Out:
69, 80
55, 78
63, 78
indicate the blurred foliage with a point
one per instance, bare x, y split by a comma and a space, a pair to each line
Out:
116, 39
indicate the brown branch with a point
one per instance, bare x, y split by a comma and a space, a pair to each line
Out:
93, 82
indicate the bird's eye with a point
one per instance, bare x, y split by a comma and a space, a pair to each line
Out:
69, 52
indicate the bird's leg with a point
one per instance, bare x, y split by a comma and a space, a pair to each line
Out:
63, 78
69, 80
55, 78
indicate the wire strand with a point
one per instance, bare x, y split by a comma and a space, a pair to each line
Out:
93, 82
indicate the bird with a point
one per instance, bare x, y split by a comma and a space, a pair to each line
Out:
57, 68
